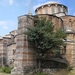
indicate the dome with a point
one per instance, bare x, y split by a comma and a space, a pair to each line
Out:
52, 7
51, 2
48, 3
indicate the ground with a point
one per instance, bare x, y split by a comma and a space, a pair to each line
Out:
60, 72
65, 72
4, 74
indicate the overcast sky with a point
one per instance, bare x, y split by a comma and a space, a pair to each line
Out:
11, 9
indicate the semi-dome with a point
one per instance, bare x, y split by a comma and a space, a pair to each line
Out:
52, 7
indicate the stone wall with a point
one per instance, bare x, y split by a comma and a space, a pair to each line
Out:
25, 56
3, 49
1, 54
57, 21
11, 48
24, 52
69, 26
69, 22
73, 56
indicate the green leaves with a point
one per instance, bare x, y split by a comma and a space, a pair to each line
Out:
44, 37
60, 34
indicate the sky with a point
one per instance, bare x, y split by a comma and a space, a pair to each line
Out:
10, 10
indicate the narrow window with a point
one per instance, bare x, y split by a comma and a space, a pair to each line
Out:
46, 10
59, 10
52, 9
40, 11
63, 51
13, 52
64, 10
70, 23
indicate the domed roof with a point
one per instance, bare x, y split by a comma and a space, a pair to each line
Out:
51, 2
48, 3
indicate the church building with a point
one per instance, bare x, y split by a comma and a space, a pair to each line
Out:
15, 49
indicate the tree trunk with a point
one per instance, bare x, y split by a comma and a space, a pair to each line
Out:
39, 65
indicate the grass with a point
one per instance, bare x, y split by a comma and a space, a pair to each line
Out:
4, 74
65, 72
60, 72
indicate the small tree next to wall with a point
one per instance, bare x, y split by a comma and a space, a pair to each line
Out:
44, 37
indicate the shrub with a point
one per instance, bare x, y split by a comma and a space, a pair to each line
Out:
1, 70
69, 68
6, 69
42, 73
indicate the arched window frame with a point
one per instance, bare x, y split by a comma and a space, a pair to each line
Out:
59, 9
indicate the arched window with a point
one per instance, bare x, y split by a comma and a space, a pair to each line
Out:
14, 51
59, 9
46, 10
52, 9
40, 11
63, 9
63, 50
56, 9
66, 11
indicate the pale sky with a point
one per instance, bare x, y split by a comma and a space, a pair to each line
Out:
11, 9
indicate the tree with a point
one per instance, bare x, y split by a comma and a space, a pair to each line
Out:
44, 37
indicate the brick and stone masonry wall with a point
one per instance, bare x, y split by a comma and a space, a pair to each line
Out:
3, 48
11, 53
57, 21
24, 52
25, 56
66, 21
1, 54
69, 23
70, 53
